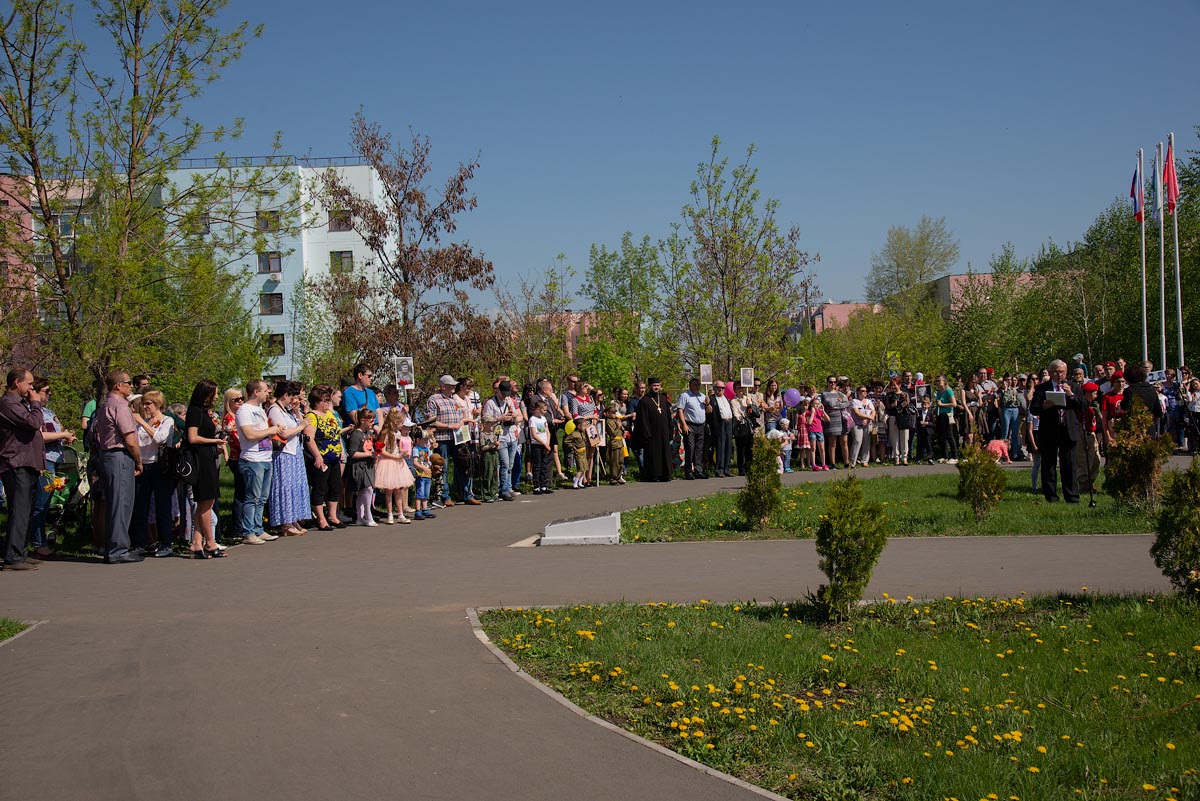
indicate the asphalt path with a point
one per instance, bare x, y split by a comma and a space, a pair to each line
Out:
342, 665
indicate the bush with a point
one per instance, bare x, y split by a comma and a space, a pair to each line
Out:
763, 494
1133, 471
981, 480
850, 538
1176, 549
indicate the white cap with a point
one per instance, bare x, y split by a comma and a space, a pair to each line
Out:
920, 376
448, 380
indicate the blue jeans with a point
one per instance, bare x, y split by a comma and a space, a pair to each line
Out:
509, 451
1009, 429
443, 485
257, 476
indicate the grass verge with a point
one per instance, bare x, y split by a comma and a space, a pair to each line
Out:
1023, 698
10, 628
917, 505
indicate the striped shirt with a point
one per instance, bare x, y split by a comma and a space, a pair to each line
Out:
442, 409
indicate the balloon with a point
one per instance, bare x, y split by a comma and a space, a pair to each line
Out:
729, 391
791, 398
569, 427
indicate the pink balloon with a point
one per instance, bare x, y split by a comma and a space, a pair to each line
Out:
729, 391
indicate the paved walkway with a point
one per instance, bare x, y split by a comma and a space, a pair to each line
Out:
342, 665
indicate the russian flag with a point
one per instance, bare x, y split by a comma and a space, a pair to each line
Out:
1138, 192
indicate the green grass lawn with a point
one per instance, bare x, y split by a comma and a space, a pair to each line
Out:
9, 627
917, 505
1023, 698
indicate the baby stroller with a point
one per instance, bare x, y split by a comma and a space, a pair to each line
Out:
68, 515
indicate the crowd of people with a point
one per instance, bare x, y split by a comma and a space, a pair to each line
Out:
301, 458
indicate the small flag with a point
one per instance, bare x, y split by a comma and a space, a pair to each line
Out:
1170, 178
1156, 202
1138, 193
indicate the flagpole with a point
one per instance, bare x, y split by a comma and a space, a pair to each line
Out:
1162, 256
1145, 326
1175, 226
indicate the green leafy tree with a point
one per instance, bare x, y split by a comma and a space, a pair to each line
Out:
871, 341
1176, 548
850, 538
909, 260
988, 325
108, 246
624, 285
603, 365
733, 277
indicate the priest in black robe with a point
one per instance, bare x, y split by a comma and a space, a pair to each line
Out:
653, 431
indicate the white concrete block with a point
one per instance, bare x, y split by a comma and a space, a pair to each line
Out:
605, 530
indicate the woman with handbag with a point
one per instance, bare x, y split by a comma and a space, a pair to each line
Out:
156, 480
902, 418
201, 443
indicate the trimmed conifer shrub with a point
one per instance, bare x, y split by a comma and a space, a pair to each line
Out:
762, 496
981, 480
850, 537
1134, 468
1176, 549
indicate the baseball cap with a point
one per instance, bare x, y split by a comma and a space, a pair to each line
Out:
505, 387
448, 380
1078, 357
1091, 386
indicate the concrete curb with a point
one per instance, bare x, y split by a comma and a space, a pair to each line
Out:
32, 625
481, 635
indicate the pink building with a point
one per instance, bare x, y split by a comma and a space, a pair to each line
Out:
948, 290
836, 315
19, 276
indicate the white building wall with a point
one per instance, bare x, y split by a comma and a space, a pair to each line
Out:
305, 252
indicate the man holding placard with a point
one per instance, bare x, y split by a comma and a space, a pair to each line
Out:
1057, 408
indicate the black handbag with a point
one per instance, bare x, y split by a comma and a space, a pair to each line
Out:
187, 467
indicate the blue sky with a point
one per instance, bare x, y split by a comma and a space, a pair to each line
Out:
1016, 121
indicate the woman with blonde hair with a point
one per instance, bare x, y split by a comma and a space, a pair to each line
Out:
154, 434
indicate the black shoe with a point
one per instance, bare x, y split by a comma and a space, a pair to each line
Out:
128, 558
702, 475
508, 496
1051, 499
20, 566
547, 491
1072, 500
339, 524
688, 477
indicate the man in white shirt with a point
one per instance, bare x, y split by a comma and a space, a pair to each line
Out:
254, 434
722, 430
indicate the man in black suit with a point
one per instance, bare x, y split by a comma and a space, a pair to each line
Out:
1058, 433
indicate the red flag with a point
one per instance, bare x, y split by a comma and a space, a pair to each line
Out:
1170, 178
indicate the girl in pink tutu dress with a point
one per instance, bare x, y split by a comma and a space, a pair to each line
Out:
392, 476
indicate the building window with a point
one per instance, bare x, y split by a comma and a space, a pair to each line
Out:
274, 344
341, 261
270, 303
339, 220
270, 262
267, 220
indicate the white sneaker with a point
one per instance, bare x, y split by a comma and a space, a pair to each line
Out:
391, 520
268, 537
402, 519
253, 539
369, 522
951, 461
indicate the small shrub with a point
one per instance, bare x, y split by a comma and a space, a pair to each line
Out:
981, 481
1176, 549
850, 537
762, 496
1133, 471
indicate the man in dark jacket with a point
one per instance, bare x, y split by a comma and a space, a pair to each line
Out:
1058, 433
22, 459
1137, 387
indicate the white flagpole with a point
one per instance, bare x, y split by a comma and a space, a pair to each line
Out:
1178, 289
1145, 326
1162, 256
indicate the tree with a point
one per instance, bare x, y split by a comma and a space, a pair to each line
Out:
601, 365
732, 277
871, 341
988, 324
104, 240
414, 301
624, 286
910, 259
540, 319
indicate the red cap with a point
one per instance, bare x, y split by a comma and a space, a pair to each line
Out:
1091, 386
990, 371
1110, 364
1119, 374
